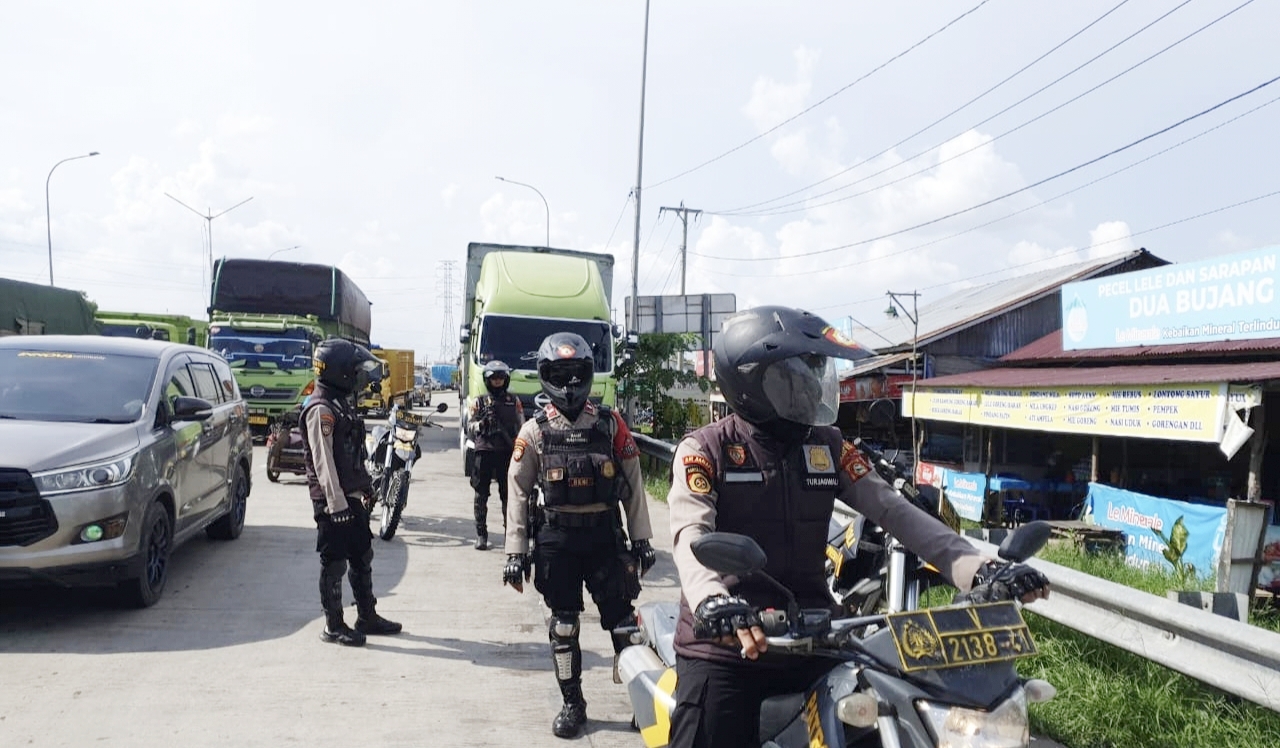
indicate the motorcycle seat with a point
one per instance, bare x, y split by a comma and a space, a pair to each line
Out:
776, 712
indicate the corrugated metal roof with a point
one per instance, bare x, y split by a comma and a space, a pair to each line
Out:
1049, 348
1110, 375
872, 364
973, 305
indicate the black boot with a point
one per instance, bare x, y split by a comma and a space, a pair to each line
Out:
482, 538
335, 630
368, 622
573, 715
481, 510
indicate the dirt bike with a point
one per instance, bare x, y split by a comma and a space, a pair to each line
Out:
393, 451
920, 679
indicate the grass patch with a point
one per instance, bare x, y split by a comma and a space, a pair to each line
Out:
657, 478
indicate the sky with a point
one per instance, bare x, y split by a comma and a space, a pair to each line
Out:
837, 149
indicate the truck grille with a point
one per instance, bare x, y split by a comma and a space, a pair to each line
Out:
24, 516
258, 392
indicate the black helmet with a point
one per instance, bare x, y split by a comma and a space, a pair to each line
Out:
343, 365
775, 363
496, 370
566, 368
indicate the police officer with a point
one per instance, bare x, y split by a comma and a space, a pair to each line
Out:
333, 442
494, 422
584, 461
772, 470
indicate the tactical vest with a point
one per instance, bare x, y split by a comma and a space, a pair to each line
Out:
578, 467
784, 502
348, 445
498, 434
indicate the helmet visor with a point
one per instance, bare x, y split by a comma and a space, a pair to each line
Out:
803, 389
563, 374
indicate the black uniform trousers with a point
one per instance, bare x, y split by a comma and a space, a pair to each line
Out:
490, 465
718, 703
566, 558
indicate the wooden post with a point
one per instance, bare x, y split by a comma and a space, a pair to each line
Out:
1241, 558
1093, 462
1257, 419
993, 510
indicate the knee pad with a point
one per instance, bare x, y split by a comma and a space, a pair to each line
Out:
566, 655
563, 627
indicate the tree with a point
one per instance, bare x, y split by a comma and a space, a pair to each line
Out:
648, 376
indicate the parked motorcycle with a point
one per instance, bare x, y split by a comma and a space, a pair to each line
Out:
919, 679
285, 453
393, 451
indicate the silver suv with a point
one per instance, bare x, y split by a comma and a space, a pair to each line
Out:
112, 453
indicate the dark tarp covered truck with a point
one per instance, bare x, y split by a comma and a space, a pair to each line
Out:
35, 309
265, 318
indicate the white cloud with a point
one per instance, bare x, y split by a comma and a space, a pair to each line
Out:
772, 101
1112, 237
449, 193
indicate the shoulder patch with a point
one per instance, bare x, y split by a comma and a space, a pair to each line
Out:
700, 461
853, 463
326, 424
697, 479
518, 451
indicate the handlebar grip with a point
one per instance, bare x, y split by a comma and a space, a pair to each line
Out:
774, 622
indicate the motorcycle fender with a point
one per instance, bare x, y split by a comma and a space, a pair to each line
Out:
405, 455
652, 695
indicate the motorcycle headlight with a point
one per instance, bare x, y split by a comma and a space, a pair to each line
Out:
85, 477
405, 435
1005, 726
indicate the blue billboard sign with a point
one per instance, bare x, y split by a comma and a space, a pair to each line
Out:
967, 492
1173, 536
1233, 297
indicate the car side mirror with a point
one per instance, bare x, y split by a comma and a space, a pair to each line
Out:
442, 407
192, 409
464, 335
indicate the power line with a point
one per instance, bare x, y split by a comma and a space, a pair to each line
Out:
618, 223
803, 205
1007, 216
948, 115
829, 97
684, 213
1020, 190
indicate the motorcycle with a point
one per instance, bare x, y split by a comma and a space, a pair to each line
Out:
285, 453
919, 679
392, 450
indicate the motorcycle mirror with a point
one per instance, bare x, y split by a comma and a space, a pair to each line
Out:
1025, 542
442, 407
729, 553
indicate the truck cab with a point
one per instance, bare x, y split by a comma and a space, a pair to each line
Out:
176, 328
270, 357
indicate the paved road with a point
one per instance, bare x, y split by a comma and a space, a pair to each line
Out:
231, 655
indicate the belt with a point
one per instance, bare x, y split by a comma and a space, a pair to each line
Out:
577, 519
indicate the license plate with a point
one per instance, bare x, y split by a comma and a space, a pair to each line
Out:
966, 635
257, 420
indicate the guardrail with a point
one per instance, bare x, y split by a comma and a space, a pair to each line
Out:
1224, 653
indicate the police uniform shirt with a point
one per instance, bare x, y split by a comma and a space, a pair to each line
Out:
694, 495
320, 420
526, 466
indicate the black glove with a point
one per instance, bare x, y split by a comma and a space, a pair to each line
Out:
645, 554
997, 581
723, 615
342, 517
516, 568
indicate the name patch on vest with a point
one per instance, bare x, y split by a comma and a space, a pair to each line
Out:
581, 482
555, 474
575, 436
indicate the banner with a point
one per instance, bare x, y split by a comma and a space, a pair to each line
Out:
1269, 577
967, 492
1179, 412
1169, 535
1226, 298
873, 387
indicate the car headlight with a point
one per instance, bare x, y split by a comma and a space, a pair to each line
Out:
85, 477
1005, 726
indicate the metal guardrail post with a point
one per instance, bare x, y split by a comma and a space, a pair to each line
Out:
655, 448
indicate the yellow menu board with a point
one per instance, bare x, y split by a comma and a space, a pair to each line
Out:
1181, 412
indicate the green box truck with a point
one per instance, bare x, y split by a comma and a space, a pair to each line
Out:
515, 296
172, 327
37, 309
265, 318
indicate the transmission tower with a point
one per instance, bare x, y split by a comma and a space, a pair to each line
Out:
444, 292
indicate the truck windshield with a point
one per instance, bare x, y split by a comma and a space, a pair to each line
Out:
135, 330
515, 340
262, 349
74, 386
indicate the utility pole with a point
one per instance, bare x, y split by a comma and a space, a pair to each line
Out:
208, 216
634, 317
684, 213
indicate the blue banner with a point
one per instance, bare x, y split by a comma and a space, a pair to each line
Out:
1227, 298
966, 492
1168, 535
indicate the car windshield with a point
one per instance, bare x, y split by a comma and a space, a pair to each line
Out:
73, 386
515, 340
259, 349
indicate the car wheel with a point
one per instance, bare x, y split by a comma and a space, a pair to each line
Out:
230, 525
157, 543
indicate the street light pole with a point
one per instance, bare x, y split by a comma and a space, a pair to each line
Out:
914, 316
286, 249
208, 217
48, 227
546, 207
